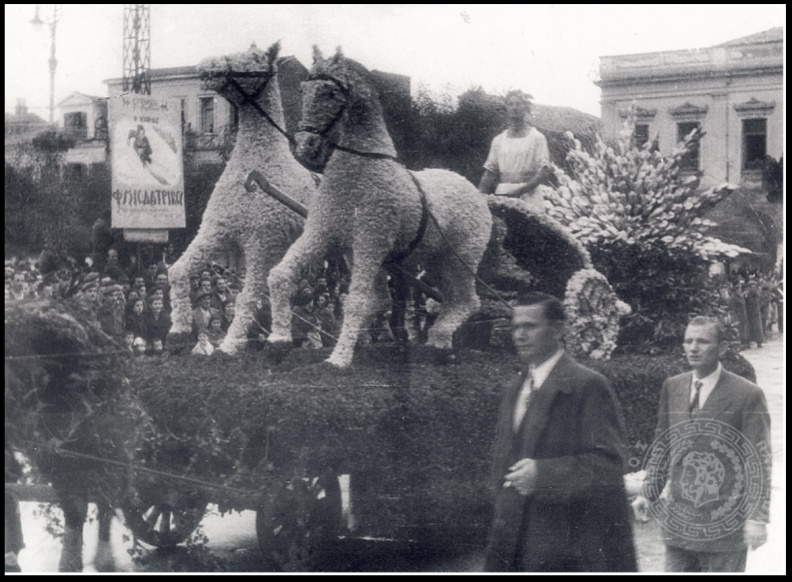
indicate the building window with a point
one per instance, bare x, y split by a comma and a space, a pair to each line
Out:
207, 115
689, 163
641, 134
75, 124
754, 143
183, 105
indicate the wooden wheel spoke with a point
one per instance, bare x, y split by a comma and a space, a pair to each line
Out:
165, 524
153, 516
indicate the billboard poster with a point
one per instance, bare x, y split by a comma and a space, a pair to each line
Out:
146, 150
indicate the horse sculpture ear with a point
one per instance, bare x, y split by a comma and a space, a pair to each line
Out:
339, 55
272, 54
317, 54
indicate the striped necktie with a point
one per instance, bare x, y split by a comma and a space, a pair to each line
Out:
694, 406
522, 400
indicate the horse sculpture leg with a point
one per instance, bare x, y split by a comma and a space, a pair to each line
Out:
311, 247
361, 302
460, 301
255, 286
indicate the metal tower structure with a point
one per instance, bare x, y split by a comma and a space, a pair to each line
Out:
137, 49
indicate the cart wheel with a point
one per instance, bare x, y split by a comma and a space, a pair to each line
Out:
164, 519
297, 520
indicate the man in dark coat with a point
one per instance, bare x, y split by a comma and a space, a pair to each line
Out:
560, 502
752, 308
712, 486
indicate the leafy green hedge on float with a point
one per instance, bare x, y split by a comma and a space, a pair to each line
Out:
413, 426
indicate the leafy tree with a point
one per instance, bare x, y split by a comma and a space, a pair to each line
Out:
641, 218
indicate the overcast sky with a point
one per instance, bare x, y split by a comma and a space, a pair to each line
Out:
550, 51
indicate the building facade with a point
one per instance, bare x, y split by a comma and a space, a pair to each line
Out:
734, 93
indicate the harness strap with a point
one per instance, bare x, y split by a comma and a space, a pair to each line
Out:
251, 99
400, 256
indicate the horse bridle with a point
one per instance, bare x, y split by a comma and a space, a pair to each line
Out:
338, 114
251, 98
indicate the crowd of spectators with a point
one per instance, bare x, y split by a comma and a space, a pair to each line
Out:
756, 306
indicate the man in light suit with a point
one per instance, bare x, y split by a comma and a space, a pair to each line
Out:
560, 502
702, 488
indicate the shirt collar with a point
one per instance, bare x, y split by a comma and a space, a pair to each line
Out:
542, 371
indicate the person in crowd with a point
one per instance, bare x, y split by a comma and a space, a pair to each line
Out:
203, 313
86, 297
204, 286
136, 319
111, 314
101, 240
303, 322
764, 306
560, 502
129, 342
157, 349
194, 288
161, 282
221, 294
204, 346
215, 330
113, 268
709, 392
261, 326
753, 310
18, 292
150, 274
737, 312
158, 323
229, 310
778, 297
518, 164
327, 321
140, 345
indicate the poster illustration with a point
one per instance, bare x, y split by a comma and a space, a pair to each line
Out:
146, 152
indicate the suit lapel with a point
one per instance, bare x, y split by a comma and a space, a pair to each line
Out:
538, 413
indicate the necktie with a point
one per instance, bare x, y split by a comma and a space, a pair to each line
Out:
522, 400
694, 406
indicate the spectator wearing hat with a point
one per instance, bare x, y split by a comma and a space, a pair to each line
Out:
111, 313
203, 313
204, 286
221, 294
87, 292
158, 322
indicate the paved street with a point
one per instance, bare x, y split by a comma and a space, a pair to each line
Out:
233, 539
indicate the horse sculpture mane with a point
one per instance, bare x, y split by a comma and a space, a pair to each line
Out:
372, 208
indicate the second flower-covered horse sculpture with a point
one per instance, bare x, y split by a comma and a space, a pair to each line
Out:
372, 209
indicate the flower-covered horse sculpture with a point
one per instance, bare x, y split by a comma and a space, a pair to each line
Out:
261, 227
371, 207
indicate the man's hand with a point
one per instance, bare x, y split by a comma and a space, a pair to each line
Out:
522, 476
755, 534
640, 507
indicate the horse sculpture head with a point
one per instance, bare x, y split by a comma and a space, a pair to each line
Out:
242, 78
341, 110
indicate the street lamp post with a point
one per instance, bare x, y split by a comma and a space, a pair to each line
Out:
37, 22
